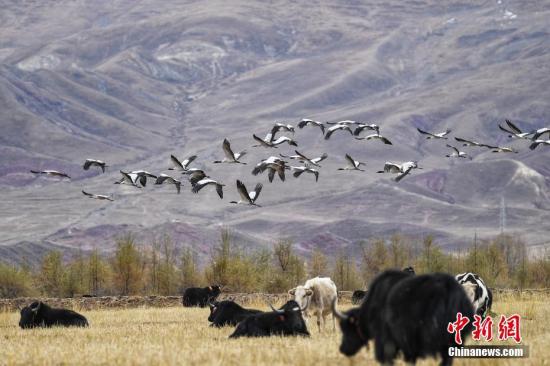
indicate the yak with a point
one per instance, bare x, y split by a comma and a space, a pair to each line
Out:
359, 325
228, 312
480, 295
39, 314
286, 321
196, 296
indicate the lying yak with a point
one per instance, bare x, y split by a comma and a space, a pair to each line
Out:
196, 296
39, 314
228, 312
286, 321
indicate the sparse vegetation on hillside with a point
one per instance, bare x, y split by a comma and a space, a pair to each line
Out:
158, 269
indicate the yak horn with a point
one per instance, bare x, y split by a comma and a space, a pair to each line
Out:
337, 313
276, 310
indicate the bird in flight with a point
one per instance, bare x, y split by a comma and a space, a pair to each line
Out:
352, 164
98, 196
93, 162
166, 179
248, 197
230, 156
51, 173
439, 135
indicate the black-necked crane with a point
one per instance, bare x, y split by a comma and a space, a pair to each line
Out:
536, 143
51, 173
98, 196
142, 175
273, 165
403, 169
230, 156
457, 153
268, 142
304, 159
337, 127
514, 131
208, 182
465, 142
278, 127
538, 133
248, 198
195, 174
375, 136
352, 164
502, 149
181, 165
346, 122
309, 122
363, 126
132, 179
438, 135
166, 179
94, 162
299, 170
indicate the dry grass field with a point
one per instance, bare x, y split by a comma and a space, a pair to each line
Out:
176, 336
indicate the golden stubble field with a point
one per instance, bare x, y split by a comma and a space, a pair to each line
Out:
181, 336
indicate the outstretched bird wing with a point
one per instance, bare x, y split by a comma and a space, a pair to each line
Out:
227, 150
513, 127
188, 161
243, 192
176, 162
506, 130
350, 161
271, 174
425, 132
467, 142
256, 192
219, 189
454, 148
402, 175
262, 142
320, 158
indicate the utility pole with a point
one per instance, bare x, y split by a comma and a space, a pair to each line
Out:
475, 251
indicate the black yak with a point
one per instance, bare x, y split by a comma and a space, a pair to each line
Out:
39, 314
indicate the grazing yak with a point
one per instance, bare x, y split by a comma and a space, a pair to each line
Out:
286, 321
480, 295
39, 314
412, 320
359, 325
359, 295
316, 297
228, 312
196, 296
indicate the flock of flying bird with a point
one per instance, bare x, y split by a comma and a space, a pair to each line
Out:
278, 165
